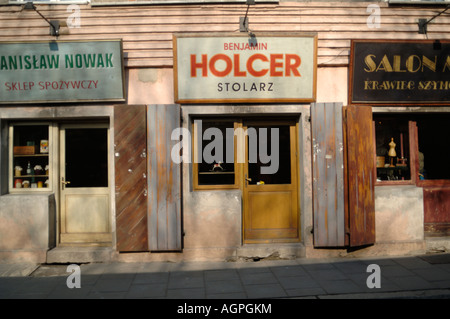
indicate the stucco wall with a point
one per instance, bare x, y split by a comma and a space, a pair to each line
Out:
27, 227
398, 213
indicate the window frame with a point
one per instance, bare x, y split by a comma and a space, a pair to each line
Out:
414, 158
237, 166
412, 155
13, 190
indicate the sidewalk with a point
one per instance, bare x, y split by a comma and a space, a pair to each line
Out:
401, 277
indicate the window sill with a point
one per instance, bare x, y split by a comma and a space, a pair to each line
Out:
390, 183
433, 183
216, 188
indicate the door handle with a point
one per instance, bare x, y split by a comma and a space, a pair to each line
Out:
64, 183
247, 180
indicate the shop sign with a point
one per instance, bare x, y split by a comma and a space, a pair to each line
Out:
242, 68
61, 71
400, 72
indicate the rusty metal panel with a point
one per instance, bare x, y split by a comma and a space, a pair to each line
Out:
361, 178
130, 142
328, 174
164, 180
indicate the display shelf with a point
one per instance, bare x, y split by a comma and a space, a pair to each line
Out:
30, 176
402, 168
31, 155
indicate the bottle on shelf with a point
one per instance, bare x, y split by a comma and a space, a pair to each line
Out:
29, 169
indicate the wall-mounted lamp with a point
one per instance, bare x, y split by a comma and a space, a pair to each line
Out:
54, 24
243, 21
423, 22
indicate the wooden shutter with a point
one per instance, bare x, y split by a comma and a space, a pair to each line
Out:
360, 174
164, 193
130, 139
328, 174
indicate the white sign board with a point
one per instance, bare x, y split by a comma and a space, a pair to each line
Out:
240, 68
61, 71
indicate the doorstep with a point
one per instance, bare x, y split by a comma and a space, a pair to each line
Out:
270, 251
437, 244
74, 254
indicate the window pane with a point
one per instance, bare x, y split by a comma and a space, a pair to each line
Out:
217, 165
282, 175
392, 148
30, 156
86, 157
434, 150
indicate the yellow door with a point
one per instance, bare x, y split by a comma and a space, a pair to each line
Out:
84, 187
270, 192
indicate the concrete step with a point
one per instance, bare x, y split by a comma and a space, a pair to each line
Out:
63, 255
271, 251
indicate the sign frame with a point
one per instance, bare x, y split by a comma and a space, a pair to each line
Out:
218, 100
399, 102
76, 100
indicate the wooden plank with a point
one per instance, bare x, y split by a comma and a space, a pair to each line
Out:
147, 30
361, 179
130, 177
164, 184
328, 175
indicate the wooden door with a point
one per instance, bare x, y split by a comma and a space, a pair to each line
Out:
84, 185
270, 197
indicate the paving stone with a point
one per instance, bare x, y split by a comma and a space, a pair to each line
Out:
265, 291
327, 274
225, 274
233, 295
433, 274
142, 291
258, 278
288, 271
394, 271
151, 278
340, 286
300, 282
63, 292
412, 283
413, 263
186, 293
187, 279
301, 292
225, 286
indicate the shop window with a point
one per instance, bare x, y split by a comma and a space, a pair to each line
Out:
214, 155
434, 152
393, 160
30, 158
412, 149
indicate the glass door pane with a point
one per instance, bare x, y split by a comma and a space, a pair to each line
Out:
269, 146
86, 157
